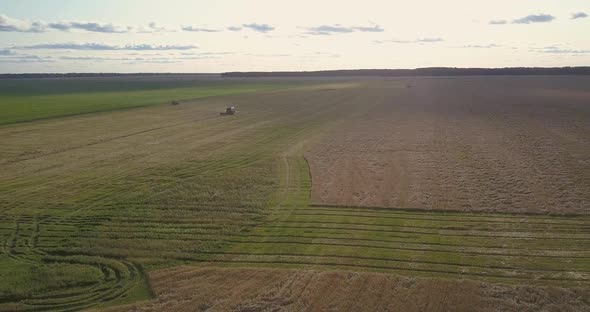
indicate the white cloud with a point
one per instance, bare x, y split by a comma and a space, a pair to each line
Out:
555, 49
498, 22
340, 29
90, 27
8, 24
481, 46
579, 15
199, 29
25, 58
259, 27
6, 52
107, 47
419, 40
534, 18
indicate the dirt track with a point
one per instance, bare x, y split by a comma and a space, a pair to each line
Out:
235, 289
505, 144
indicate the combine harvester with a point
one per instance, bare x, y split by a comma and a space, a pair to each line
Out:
229, 111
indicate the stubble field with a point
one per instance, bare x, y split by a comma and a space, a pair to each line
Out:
178, 204
193, 288
515, 145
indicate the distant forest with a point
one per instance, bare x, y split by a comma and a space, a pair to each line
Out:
430, 71
95, 75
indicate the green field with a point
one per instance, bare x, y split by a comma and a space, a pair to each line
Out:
90, 203
149, 186
32, 99
498, 248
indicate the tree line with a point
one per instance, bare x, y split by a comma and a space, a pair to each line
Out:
429, 71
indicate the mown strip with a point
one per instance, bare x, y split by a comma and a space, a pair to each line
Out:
495, 247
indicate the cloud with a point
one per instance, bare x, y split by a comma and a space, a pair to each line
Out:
429, 40
90, 27
534, 18
419, 40
207, 53
85, 58
340, 29
26, 59
328, 30
124, 59
8, 24
106, 47
375, 28
153, 27
152, 61
4, 52
263, 28
259, 27
171, 59
498, 22
267, 55
160, 57
558, 50
396, 41
579, 15
198, 57
199, 29
478, 46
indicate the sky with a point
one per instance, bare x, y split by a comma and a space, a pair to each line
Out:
259, 35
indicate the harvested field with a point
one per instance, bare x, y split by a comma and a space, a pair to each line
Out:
497, 248
96, 199
501, 144
235, 289
100, 206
